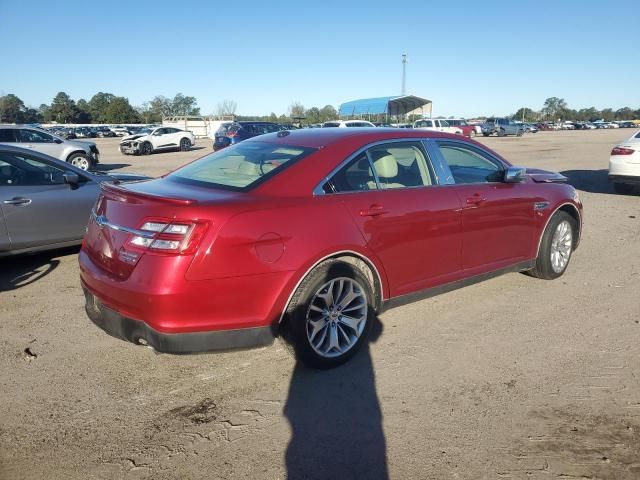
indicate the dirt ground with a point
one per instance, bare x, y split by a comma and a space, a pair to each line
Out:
512, 378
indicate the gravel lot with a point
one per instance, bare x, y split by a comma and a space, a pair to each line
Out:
512, 378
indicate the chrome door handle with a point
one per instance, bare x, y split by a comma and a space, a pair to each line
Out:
18, 201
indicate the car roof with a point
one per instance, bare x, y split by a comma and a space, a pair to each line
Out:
322, 137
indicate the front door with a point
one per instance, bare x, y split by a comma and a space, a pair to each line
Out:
497, 218
39, 207
412, 225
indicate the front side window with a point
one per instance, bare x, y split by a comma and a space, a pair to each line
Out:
400, 165
469, 165
17, 170
444, 123
34, 136
241, 166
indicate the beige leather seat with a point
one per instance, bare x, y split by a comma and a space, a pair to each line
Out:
387, 168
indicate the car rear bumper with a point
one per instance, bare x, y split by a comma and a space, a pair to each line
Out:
628, 179
140, 333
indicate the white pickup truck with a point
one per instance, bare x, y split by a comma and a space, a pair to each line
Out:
436, 125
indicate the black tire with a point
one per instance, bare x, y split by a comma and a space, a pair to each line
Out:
185, 145
80, 160
623, 188
544, 268
299, 307
146, 149
519, 133
486, 134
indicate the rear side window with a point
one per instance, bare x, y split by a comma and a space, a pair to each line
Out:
7, 135
34, 136
331, 124
356, 176
241, 166
469, 165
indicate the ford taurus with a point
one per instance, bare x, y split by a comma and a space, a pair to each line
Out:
314, 232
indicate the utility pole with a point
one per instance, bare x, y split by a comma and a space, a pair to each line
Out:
404, 74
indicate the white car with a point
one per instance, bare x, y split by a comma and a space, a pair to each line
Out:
624, 165
151, 140
348, 123
436, 125
120, 131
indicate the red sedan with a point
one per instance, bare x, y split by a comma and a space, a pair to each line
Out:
315, 231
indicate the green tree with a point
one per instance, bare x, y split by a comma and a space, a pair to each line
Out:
296, 109
11, 109
161, 106
607, 115
313, 115
120, 111
273, 117
553, 108
328, 113
43, 111
184, 105
97, 106
624, 114
63, 109
84, 115
528, 114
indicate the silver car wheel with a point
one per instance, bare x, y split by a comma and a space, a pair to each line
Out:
80, 162
561, 245
336, 317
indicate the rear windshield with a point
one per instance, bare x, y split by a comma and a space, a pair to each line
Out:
241, 166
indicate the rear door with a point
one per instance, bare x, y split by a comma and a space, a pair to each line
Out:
38, 207
412, 225
497, 218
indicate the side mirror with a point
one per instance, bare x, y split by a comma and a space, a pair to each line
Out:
71, 178
57, 140
515, 174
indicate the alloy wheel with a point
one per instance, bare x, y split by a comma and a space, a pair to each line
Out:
561, 245
336, 317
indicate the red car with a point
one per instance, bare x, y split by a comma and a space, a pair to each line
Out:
315, 231
461, 123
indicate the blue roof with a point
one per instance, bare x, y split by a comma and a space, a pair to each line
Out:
396, 105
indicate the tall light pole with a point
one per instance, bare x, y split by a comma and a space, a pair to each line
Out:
404, 74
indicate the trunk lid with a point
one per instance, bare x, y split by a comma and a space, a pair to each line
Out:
127, 220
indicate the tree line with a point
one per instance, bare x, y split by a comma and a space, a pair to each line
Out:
107, 108
101, 108
555, 108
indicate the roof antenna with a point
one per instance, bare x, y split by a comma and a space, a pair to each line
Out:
404, 74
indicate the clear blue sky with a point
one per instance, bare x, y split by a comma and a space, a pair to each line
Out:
470, 57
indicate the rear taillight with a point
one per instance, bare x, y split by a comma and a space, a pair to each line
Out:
231, 134
622, 151
169, 236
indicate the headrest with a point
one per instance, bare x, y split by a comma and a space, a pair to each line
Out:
386, 166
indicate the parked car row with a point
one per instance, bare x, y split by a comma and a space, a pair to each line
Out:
81, 154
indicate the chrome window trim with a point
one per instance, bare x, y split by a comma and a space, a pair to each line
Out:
318, 191
491, 158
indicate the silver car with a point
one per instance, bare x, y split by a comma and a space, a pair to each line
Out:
45, 203
84, 155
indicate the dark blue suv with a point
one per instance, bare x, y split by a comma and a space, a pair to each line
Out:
238, 131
